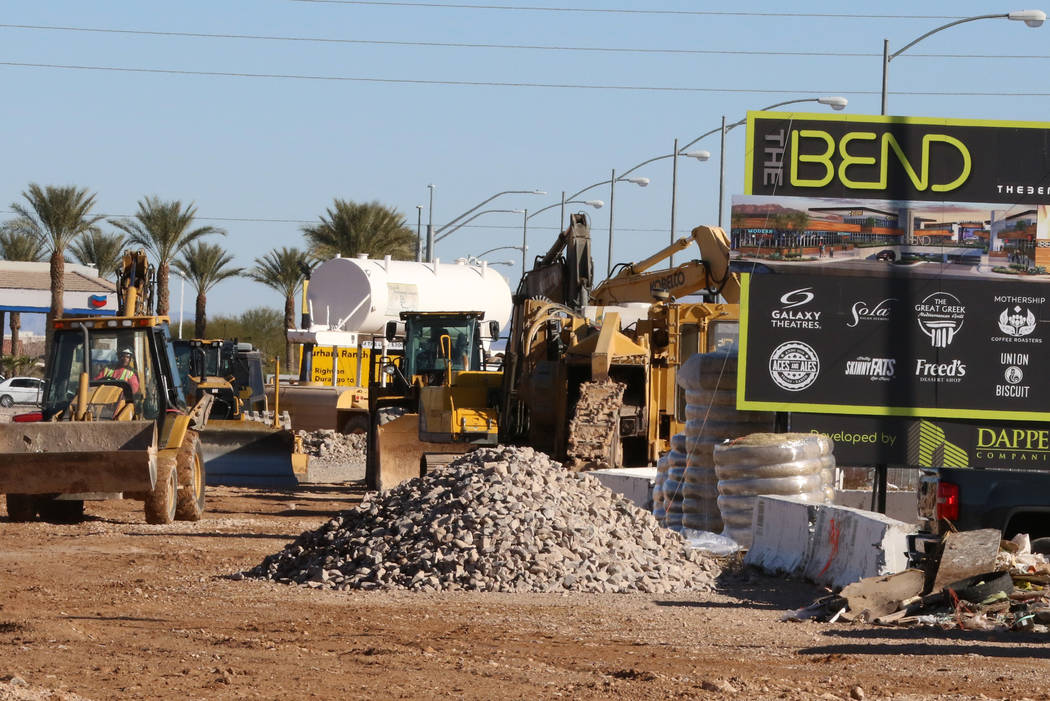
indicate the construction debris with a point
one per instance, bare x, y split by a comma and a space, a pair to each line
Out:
497, 519
328, 446
1015, 596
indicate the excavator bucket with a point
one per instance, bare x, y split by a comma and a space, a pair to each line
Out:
251, 454
72, 457
400, 452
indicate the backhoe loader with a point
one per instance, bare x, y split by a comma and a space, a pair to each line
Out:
114, 421
241, 445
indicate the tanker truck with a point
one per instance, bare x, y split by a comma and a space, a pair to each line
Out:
347, 304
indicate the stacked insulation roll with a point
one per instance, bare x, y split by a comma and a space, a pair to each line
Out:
709, 381
800, 465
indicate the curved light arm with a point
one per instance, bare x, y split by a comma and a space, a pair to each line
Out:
497, 248
597, 204
485, 202
467, 221
640, 182
1027, 19
834, 102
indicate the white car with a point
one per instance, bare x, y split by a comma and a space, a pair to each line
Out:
21, 390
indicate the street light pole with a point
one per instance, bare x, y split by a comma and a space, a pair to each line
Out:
612, 199
430, 226
721, 171
419, 233
525, 233
674, 194
445, 231
1032, 18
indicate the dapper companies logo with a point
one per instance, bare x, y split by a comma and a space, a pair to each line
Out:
794, 366
862, 311
790, 317
940, 316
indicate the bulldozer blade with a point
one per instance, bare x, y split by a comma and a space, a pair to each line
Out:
70, 457
400, 452
251, 454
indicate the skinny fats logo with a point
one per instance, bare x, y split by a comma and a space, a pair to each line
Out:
940, 316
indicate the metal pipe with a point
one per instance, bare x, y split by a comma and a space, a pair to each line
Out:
674, 190
612, 199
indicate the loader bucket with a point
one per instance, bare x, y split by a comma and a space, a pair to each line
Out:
251, 454
400, 452
70, 457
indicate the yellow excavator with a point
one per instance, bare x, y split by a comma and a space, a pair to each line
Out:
241, 447
436, 403
114, 421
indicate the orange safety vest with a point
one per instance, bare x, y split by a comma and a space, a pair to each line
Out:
122, 374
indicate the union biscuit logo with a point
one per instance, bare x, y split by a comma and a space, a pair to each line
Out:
940, 316
794, 366
1017, 321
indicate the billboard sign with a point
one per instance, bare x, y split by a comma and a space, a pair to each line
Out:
931, 442
895, 344
897, 158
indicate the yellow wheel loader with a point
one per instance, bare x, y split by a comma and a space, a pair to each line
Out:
437, 403
240, 446
114, 421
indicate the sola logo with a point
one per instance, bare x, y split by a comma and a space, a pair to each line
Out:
862, 312
796, 298
1017, 322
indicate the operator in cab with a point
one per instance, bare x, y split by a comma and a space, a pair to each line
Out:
123, 371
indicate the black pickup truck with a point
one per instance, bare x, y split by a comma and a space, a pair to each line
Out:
1014, 501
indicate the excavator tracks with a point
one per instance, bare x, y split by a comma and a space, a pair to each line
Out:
594, 432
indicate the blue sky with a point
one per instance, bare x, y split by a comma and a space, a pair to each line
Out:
261, 155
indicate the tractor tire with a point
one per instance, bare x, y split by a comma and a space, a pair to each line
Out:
160, 503
189, 463
60, 510
21, 508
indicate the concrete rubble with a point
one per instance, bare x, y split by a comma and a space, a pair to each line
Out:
497, 519
328, 446
1013, 596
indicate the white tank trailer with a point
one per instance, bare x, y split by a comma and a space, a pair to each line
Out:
351, 300
360, 295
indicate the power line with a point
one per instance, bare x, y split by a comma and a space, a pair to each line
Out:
519, 47
505, 84
621, 11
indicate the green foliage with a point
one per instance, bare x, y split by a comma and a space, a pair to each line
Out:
280, 269
18, 242
263, 327
349, 228
57, 215
204, 265
18, 365
104, 251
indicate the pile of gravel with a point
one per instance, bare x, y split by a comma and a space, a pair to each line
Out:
496, 519
328, 446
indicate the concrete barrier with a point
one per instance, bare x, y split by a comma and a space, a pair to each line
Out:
635, 483
827, 544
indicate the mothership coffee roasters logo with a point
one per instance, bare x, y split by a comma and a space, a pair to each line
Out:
940, 316
1017, 321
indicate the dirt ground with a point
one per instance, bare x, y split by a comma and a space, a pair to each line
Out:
114, 608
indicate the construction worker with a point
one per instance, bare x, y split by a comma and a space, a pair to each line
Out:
123, 371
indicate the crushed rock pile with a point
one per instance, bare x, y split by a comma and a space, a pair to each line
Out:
497, 519
329, 446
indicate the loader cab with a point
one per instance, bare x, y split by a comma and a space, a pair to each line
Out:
438, 343
133, 355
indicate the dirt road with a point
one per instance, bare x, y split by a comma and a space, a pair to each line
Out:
113, 608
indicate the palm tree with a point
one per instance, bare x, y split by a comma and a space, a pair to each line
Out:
282, 270
165, 230
204, 265
57, 215
104, 251
349, 228
18, 242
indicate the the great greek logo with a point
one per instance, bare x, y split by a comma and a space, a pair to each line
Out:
940, 316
